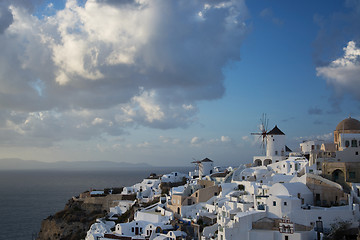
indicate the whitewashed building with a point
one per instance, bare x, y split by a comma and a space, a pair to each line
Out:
276, 150
174, 177
145, 191
154, 214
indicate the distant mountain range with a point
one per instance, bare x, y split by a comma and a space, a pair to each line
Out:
19, 164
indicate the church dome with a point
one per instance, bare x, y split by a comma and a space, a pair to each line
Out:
348, 124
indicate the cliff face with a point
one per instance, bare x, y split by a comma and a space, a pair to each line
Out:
71, 223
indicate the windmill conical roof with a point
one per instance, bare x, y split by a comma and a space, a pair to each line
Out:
206, 160
275, 131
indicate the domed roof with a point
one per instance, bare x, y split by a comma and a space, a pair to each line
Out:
348, 124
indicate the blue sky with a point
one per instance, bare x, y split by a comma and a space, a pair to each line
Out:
166, 82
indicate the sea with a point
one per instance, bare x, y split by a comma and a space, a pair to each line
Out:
29, 196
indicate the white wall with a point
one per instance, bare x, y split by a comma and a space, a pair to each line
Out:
126, 228
240, 226
276, 235
154, 217
328, 215
290, 166
281, 210
207, 168
275, 144
173, 177
309, 146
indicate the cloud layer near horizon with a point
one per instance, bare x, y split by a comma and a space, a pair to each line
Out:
96, 69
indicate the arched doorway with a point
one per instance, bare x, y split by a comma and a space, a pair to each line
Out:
257, 162
158, 229
267, 162
338, 176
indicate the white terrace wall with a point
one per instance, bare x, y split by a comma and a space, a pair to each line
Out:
328, 215
240, 226
276, 235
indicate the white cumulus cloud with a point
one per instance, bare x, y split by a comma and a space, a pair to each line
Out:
225, 139
124, 63
343, 73
196, 141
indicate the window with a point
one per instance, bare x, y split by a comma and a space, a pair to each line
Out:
352, 175
274, 203
276, 152
132, 229
286, 237
347, 143
312, 147
353, 143
356, 153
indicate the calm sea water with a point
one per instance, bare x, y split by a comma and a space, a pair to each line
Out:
28, 197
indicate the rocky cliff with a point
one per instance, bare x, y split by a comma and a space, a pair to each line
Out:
71, 223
